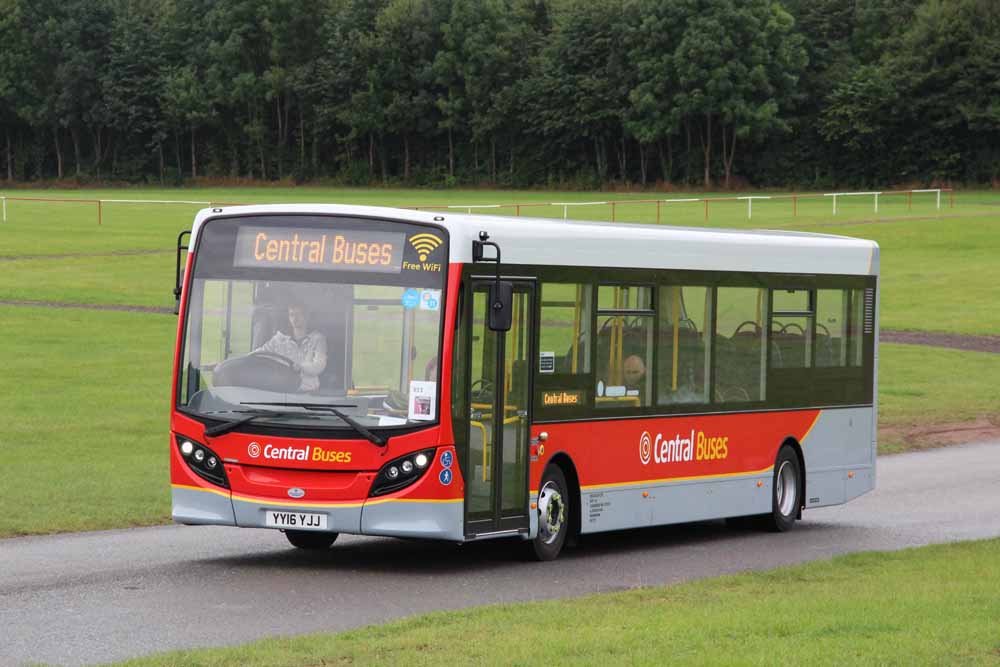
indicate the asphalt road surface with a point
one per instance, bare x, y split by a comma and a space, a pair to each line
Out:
95, 597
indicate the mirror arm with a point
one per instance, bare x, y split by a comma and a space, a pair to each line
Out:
177, 275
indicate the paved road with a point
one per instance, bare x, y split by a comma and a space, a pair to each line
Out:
92, 597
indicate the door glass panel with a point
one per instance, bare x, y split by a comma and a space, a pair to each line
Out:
480, 498
514, 468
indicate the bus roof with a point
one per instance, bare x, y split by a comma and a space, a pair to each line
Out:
555, 242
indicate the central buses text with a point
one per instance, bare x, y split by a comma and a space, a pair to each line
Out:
314, 251
699, 447
307, 453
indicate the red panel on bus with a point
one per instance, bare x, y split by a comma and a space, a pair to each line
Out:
636, 451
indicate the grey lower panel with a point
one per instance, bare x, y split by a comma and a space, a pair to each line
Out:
840, 437
674, 502
441, 521
345, 519
205, 508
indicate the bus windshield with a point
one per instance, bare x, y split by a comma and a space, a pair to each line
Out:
269, 336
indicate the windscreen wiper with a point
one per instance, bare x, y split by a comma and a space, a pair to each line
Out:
332, 408
227, 426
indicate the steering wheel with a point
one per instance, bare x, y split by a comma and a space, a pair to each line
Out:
274, 356
481, 389
823, 327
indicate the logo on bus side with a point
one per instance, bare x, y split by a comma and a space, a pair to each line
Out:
253, 450
696, 446
645, 446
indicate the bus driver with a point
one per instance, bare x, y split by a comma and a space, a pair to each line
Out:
306, 350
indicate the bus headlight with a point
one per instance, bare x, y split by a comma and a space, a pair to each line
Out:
400, 473
203, 461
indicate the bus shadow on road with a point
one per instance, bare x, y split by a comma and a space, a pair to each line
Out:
398, 555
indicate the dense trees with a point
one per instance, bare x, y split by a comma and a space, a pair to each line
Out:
580, 93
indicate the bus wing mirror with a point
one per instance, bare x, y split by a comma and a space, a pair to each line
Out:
177, 275
501, 305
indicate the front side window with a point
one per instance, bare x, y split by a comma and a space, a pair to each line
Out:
357, 332
684, 344
624, 346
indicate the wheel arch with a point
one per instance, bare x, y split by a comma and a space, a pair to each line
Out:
565, 463
790, 441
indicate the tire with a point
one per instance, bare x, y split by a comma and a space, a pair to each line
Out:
553, 515
310, 539
786, 492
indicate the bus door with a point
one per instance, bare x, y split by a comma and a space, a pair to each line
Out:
496, 500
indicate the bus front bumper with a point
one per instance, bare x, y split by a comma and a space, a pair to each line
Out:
395, 517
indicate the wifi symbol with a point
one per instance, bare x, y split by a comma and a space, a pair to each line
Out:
424, 244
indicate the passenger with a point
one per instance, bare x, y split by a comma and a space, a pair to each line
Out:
634, 375
306, 350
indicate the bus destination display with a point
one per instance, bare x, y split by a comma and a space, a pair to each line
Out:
319, 249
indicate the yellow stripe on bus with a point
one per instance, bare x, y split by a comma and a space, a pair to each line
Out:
413, 500
279, 501
646, 482
809, 430
224, 494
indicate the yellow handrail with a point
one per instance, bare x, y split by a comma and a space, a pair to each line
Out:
486, 446
576, 328
676, 315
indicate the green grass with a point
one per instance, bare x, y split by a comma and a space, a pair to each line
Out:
933, 605
938, 267
85, 416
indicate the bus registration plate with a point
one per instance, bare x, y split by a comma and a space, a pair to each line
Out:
297, 520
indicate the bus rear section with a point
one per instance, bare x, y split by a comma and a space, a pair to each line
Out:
309, 379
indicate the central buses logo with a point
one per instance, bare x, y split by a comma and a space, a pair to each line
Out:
645, 447
693, 446
424, 244
253, 450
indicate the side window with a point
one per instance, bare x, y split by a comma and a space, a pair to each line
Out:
856, 326
792, 315
739, 344
564, 336
624, 346
682, 350
831, 327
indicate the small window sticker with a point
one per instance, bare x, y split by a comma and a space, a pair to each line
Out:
546, 362
423, 399
430, 299
411, 298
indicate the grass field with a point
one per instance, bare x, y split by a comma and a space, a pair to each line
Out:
86, 396
934, 606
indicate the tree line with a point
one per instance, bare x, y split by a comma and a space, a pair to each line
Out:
508, 93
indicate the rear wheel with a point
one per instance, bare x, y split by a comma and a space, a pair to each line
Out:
553, 515
310, 539
786, 500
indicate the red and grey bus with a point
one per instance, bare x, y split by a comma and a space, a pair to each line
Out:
374, 371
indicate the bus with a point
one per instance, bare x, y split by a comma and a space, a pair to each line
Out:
376, 371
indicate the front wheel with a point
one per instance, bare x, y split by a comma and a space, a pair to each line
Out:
553, 515
310, 539
785, 492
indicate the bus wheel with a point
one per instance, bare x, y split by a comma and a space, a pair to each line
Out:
310, 539
553, 515
785, 500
